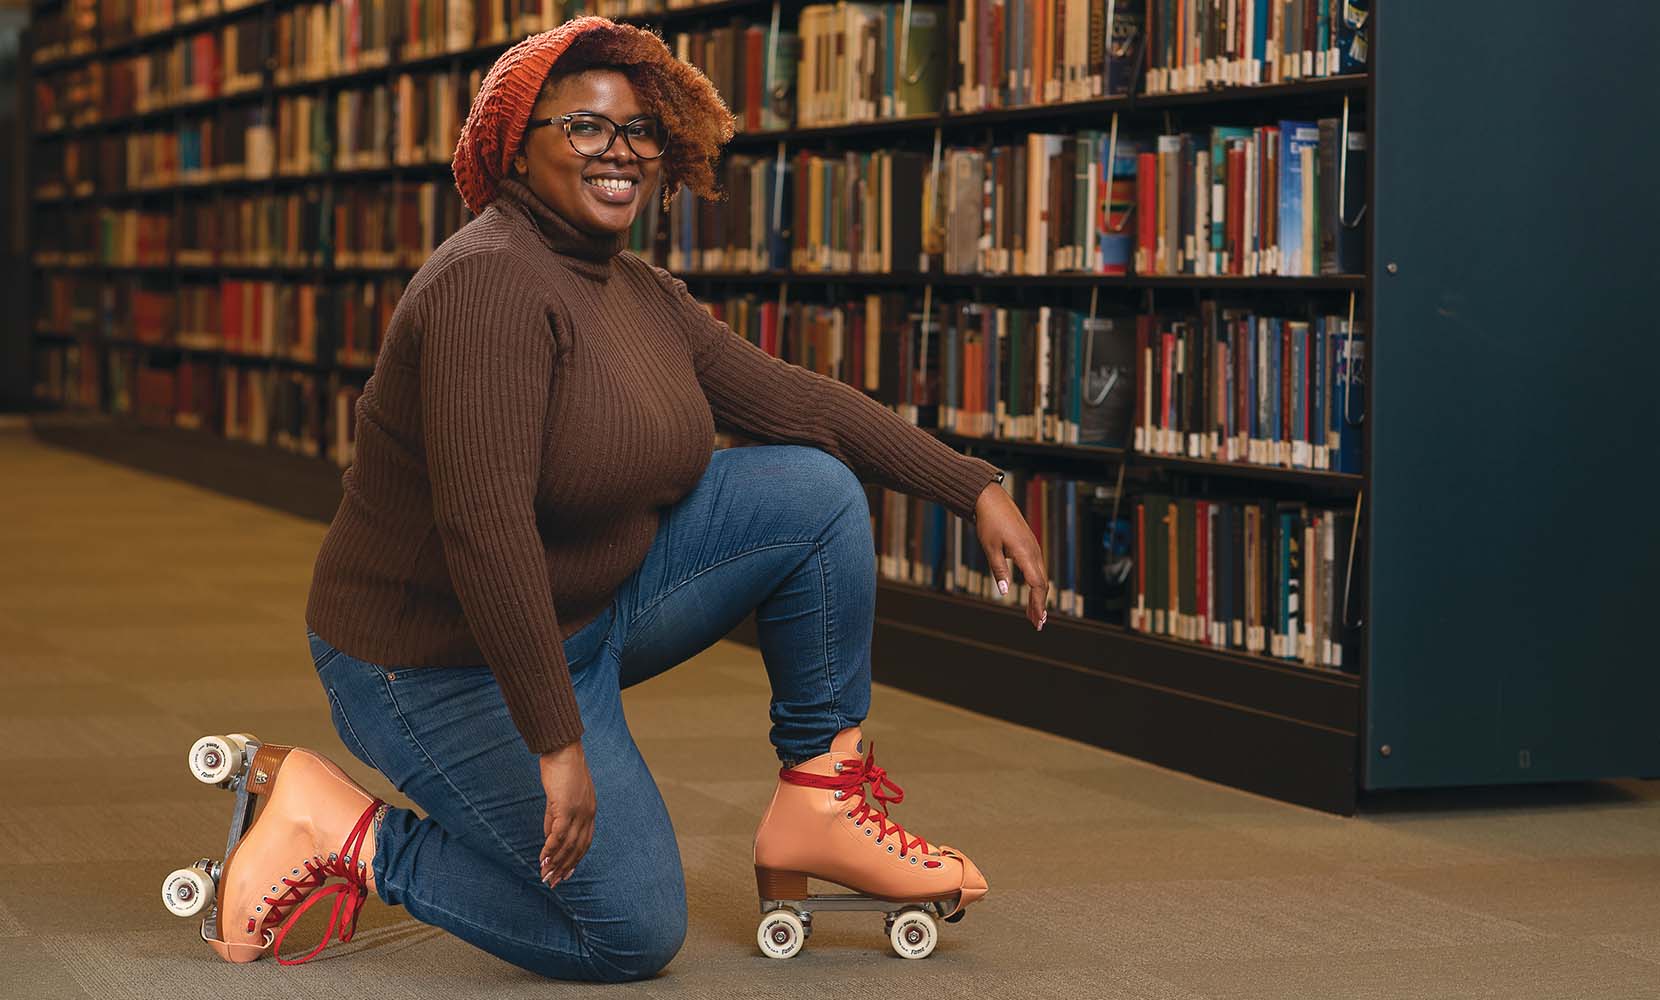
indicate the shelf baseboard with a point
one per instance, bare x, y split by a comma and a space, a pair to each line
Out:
1287, 734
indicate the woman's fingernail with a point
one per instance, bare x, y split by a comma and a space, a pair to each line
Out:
1003, 585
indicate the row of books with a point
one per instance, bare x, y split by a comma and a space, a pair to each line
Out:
411, 121
221, 63
1276, 199
1229, 386
132, 237
296, 411
863, 62
356, 225
1195, 44
1270, 578
290, 410
70, 303
1085, 545
119, 21
358, 32
1282, 199
67, 374
753, 68
318, 40
1222, 384
1232, 201
842, 62
1267, 578
297, 321
283, 230
336, 322
233, 143
1218, 383
1016, 53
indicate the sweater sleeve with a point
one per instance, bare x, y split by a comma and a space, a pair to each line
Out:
486, 371
772, 400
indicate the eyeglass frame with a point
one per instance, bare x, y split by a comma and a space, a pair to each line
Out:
616, 130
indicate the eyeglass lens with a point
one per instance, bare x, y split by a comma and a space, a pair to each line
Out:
591, 135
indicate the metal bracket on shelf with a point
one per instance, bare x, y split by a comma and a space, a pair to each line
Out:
1349, 570
1343, 174
905, 48
1348, 352
1111, 165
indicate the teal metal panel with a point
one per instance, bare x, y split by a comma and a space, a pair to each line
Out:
1515, 632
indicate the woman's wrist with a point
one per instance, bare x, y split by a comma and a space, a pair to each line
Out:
573, 749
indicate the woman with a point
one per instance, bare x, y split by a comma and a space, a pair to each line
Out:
535, 521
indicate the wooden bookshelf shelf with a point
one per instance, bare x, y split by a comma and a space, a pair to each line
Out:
1252, 722
236, 270
913, 279
1069, 113
207, 22
1329, 481
1016, 611
137, 43
234, 357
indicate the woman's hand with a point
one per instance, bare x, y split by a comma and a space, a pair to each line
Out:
1004, 533
569, 820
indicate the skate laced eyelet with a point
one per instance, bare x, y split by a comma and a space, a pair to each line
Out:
851, 780
302, 894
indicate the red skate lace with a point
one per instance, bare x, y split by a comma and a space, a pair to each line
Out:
348, 895
852, 780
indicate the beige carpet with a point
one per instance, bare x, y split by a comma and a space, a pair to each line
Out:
138, 613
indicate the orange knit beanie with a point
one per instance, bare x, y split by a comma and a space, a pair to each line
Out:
496, 122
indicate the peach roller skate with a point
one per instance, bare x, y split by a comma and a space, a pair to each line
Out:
823, 824
275, 864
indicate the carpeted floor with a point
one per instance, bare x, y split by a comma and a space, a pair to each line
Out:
138, 613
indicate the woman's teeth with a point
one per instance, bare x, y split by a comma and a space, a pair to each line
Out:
612, 183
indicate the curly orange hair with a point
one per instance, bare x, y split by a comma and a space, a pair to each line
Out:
698, 121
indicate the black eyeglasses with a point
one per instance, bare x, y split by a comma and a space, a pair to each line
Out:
592, 134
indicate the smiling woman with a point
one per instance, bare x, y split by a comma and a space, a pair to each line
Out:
580, 168
535, 519
599, 67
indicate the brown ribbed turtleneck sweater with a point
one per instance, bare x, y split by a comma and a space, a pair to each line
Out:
540, 395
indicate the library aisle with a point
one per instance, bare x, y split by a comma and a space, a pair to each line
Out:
138, 613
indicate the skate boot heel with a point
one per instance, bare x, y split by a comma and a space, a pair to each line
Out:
262, 771
780, 885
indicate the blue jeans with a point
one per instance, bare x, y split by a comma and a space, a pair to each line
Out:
778, 529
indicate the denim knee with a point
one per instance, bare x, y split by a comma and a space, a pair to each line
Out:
654, 939
833, 484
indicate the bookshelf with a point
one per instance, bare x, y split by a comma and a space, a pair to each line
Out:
1256, 721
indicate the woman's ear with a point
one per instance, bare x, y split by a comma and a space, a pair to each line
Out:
519, 165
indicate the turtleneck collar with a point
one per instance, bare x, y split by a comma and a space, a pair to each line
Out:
587, 253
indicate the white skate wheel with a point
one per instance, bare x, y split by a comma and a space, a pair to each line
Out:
186, 891
780, 934
214, 759
914, 934
242, 738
